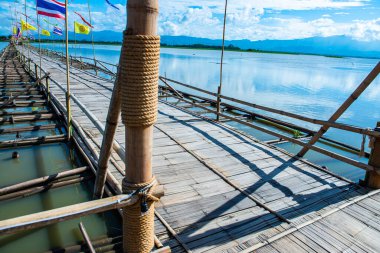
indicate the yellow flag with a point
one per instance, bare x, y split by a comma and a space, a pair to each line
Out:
14, 30
26, 26
81, 28
45, 32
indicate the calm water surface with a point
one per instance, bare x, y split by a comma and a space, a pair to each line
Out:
313, 86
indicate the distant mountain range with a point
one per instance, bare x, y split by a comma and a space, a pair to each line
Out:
334, 46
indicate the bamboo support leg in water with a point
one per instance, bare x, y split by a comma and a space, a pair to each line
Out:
366, 82
139, 93
372, 177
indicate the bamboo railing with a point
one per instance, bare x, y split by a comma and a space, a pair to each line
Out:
168, 89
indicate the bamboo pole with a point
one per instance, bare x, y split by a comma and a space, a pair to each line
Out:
68, 108
33, 141
53, 216
359, 90
108, 140
372, 179
141, 20
221, 63
47, 186
45, 179
86, 237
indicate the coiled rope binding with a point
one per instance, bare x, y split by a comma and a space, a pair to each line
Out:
139, 218
139, 79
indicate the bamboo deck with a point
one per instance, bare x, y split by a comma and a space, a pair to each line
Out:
226, 191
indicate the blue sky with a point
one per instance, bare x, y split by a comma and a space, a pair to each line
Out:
246, 19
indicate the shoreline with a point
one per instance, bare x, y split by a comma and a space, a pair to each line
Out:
214, 48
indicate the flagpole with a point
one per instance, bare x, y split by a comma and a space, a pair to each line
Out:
69, 128
75, 41
39, 41
26, 18
92, 35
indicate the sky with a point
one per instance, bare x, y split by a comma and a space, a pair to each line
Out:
246, 19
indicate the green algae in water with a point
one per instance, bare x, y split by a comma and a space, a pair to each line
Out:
38, 161
34, 162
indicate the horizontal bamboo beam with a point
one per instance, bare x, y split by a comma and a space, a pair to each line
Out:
33, 141
29, 128
17, 113
45, 187
53, 216
24, 103
25, 97
22, 118
40, 180
284, 113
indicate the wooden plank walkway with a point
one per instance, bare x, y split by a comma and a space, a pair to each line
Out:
216, 179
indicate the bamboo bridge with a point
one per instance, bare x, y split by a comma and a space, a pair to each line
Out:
225, 191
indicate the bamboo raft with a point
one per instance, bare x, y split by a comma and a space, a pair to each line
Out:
225, 191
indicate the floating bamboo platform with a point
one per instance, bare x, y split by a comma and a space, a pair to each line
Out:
225, 191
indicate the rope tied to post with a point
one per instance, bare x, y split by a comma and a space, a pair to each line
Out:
139, 71
140, 216
362, 147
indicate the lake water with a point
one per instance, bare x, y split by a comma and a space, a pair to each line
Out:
313, 86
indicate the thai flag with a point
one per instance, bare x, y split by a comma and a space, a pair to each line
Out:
51, 8
18, 32
57, 30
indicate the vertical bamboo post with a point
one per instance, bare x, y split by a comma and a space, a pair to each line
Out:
138, 228
218, 100
48, 88
69, 128
35, 70
372, 178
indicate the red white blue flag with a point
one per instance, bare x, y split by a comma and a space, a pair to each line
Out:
51, 8
57, 30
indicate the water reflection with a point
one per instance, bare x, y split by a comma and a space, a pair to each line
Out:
313, 86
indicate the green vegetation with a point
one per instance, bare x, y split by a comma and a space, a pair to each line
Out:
5, 38
297, 134
193, 46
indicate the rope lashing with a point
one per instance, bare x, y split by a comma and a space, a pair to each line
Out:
139, 71
139, 218
362, 148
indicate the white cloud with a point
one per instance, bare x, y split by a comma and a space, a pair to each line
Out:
246, 19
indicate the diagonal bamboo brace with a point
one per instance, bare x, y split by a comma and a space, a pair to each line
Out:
359, 90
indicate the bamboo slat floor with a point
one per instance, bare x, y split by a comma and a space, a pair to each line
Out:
217, 180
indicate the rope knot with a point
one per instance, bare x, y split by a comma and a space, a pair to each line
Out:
144, 190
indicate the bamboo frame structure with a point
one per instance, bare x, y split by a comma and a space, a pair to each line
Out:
358, 91
341, 126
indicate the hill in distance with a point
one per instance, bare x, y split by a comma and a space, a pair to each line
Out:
332, 46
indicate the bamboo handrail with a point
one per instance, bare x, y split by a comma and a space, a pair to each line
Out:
341, 126
298, 142
45, 218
